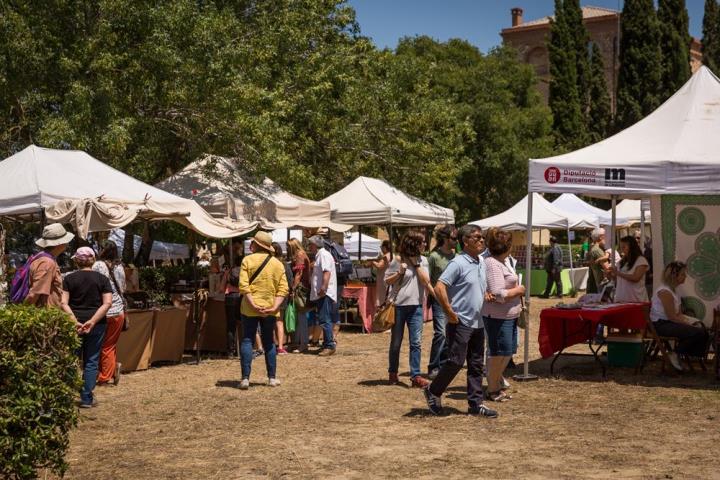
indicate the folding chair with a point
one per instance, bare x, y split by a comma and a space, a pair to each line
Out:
654, 344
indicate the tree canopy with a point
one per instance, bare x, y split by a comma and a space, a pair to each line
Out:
291, 87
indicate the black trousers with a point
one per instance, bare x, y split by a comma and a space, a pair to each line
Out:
464, 344
553, 277
691, 340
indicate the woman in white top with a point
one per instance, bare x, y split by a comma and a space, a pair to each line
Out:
109, 264
410, 280
630, 272
669, 320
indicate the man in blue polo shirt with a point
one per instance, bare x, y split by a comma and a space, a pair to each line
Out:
460, 290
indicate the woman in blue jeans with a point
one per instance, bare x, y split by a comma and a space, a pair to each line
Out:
500, 315
408, 276
87, 297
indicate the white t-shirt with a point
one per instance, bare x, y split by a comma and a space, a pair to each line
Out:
324, 262
657, 311
627, 291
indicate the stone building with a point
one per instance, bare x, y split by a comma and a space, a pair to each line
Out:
603, 26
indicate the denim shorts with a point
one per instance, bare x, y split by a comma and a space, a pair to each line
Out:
502, 336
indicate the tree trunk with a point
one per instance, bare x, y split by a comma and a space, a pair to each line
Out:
3, 268
128, 245
142, 259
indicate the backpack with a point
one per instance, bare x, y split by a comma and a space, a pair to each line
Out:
21, 281
343, 264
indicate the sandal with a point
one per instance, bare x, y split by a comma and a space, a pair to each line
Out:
499, 396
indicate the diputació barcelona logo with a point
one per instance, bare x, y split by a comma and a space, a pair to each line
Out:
552, 175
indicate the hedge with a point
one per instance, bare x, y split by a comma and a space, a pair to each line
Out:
39, 383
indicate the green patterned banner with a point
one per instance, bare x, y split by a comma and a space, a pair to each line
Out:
691, 233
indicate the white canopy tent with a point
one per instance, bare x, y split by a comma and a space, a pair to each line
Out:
72, 186
280, 236
570, 202
369, 247
372, 201
218, 185
629, 212
545, 215
671, 151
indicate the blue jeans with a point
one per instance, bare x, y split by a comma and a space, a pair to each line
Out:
412, 315
249, 328
90, 350
439, 350
325, 313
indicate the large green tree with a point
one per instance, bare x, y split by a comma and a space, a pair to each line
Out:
565, 98
711, 36
599, 111
640, 76
581, 42
674, 46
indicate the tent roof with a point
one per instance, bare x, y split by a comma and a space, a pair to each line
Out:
41, 178
571, 203
217, 184
544, 215
672, 150
372, 201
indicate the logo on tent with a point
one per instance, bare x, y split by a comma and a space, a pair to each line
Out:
552, 175
615, 177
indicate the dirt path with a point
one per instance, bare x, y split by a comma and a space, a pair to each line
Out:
337, 418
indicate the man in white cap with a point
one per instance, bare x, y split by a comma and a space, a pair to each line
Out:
264, 286
44, 277
323, 291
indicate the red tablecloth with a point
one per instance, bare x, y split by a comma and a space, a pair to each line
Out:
365, 295
560, 328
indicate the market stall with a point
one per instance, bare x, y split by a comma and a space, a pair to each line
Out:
667, 156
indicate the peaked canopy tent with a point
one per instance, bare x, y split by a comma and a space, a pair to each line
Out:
545, 215
72, 186
671, 151
629, 212
372, 201
216, 183
570, 202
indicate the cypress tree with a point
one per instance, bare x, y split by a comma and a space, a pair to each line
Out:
640, 63
581, 41
674, 46
599, 112
710, 47
564, 98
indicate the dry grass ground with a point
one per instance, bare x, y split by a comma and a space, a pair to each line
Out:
337, 418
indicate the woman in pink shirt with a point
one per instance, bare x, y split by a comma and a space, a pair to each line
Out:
500, 316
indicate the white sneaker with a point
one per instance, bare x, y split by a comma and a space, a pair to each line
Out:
504, 384
273, 382
244, 384
675, 361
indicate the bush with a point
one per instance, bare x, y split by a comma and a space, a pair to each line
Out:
39, 381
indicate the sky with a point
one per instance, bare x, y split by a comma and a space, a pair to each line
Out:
477, 21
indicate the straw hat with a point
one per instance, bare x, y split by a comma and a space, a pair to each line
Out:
54, 235
264, 240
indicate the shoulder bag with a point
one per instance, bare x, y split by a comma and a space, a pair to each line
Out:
384, 317
126, 318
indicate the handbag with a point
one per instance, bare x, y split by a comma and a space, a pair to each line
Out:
290, 318
126, 318
522, 320
384, 317
300, 297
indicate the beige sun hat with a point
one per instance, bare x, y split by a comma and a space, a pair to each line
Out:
264, 240
54, 235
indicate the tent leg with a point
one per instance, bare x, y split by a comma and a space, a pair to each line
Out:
613, 202
359, 243
526, 375
572, 277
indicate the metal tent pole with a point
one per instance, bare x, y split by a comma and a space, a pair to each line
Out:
613, 201
572, 276
526, 375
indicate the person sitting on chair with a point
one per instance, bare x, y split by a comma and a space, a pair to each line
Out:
669, 321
